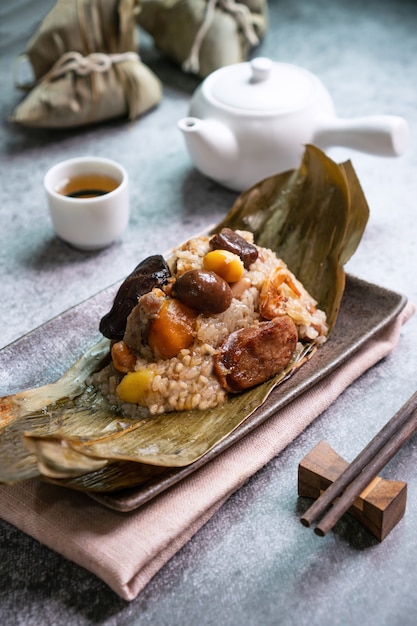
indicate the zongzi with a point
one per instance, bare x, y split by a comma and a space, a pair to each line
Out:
204, 35
86, 66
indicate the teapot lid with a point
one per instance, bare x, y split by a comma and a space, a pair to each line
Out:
261, 85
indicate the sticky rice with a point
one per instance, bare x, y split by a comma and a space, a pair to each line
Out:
187, 380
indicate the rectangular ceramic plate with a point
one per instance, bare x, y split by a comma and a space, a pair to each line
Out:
52, 348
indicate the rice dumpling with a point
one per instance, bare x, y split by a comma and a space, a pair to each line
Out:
83, 51
204, 35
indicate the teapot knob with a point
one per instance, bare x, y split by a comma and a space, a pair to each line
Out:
261, 69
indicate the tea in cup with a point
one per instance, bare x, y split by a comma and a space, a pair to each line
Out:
88, 201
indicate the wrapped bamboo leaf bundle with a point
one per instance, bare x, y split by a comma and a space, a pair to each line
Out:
86, 67
204, 35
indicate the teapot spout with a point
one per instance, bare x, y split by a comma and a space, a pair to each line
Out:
212, 147
380, 135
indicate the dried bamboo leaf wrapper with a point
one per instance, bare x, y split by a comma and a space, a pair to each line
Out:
173, 439
73, 100
31, 410
83, 52
142, 89
201, 35
115, 476
83, 26
358, 215
29, 401
313, 218
85, 439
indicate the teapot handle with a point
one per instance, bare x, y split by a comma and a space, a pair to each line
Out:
381, 135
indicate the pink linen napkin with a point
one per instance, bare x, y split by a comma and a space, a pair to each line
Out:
126, 550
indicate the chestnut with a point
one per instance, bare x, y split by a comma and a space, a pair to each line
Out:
203, 291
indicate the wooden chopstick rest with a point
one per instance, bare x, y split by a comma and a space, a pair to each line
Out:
379, 507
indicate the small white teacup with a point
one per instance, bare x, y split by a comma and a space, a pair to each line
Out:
88, 199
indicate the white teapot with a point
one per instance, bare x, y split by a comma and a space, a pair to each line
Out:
251, 120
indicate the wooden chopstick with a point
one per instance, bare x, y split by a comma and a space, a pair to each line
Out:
365, 467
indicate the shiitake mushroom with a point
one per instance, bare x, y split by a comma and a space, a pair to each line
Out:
151, 272
228, 239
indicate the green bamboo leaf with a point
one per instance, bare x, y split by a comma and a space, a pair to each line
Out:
313, 218
36, 409
173, 439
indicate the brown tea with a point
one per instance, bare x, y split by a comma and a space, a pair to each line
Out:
87, 185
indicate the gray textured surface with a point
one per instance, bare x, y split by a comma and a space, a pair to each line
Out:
253, 563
